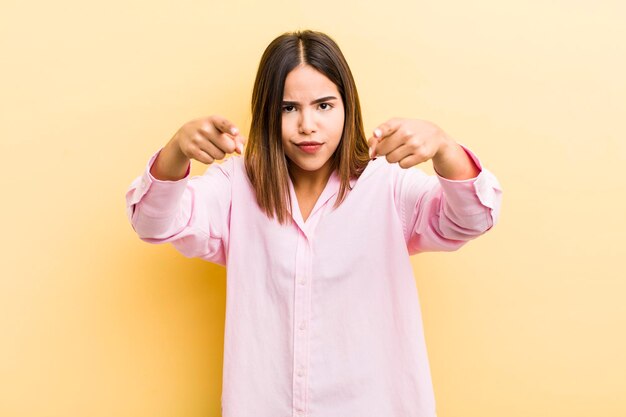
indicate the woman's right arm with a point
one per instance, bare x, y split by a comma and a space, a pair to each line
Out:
165, 205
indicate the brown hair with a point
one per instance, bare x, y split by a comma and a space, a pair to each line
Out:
265, 161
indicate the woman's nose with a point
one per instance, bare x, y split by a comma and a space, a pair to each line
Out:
307, 122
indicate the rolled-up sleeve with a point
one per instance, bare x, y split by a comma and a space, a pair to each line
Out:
439, 214
192, 213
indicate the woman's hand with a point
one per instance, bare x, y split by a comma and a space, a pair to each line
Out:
209, 139
206, 140
411, 141
407, 141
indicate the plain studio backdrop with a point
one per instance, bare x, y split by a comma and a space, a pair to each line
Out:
528, 320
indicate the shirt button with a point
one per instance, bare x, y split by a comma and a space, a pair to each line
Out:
300, 372
302, 281
302, 326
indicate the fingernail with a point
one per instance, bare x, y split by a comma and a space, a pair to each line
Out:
371, 153
240, 147
377, 132
233, 130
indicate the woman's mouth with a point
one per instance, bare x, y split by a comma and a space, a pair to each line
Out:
310, 147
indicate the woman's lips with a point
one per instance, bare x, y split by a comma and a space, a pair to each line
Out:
310, 148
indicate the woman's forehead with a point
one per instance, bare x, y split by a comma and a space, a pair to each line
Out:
305, 82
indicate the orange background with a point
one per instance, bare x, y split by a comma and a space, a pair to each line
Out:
528, 320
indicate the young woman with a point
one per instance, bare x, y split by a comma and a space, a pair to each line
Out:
315, 225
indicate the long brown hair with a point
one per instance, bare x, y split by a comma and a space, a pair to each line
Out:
265, 160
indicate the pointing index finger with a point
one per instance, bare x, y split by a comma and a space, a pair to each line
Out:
382, 131
386, 129
225, 126
373, 142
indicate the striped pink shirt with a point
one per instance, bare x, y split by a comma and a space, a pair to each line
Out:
322, 317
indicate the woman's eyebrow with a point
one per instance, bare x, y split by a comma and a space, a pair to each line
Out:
319, 100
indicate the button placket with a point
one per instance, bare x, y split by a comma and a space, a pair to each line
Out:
301, 309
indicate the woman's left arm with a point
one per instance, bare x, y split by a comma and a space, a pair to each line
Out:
444, 213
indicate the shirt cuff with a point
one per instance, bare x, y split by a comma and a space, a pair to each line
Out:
470, 196
159, 198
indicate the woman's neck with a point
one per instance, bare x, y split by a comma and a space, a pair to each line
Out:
310, 180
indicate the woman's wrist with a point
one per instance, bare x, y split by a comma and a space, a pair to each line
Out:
171, 164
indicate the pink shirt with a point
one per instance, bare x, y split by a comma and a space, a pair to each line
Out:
322, 317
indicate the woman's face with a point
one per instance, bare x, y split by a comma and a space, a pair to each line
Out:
312, 111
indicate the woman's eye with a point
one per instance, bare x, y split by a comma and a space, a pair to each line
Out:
289, 109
